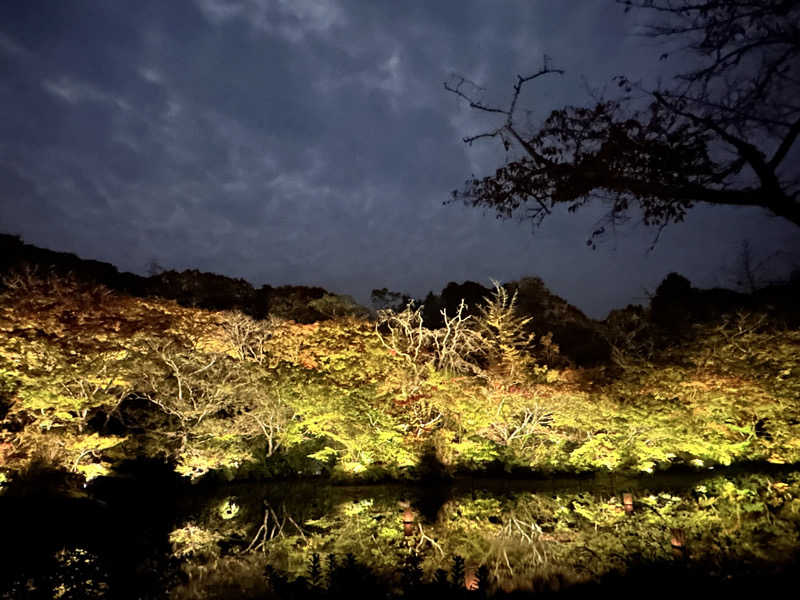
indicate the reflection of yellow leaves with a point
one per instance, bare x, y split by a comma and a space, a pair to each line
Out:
92, 470
191, 539
323, 522
228, 509
356, 508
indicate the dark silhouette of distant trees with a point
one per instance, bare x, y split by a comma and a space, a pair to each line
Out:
722, 133
384, 298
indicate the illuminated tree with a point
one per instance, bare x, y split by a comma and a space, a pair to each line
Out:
506, 333
723, 133
448, 348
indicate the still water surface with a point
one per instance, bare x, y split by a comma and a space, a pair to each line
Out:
143, 538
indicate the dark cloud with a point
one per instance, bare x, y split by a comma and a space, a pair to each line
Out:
310, 142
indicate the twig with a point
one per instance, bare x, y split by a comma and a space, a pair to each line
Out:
426, 538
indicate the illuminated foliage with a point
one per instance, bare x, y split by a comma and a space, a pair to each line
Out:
723, 527
90, 378
507, 334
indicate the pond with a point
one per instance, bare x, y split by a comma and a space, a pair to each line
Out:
153, 536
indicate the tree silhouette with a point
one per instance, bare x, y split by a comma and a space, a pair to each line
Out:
723, 133
384, 298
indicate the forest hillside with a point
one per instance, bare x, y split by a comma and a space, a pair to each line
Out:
216, 378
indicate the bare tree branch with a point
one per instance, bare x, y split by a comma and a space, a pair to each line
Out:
717, 136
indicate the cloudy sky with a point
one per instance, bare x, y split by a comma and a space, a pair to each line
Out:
312, 142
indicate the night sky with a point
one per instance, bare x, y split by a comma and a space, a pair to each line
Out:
312, 142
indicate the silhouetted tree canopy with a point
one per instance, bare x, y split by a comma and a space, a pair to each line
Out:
472, 293
384, 298
723, 133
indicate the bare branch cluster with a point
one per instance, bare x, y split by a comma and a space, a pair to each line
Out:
194, 389
457, 343
91, 390
749, 72
522, 536
451, 348
272, 529
521, 428
507, 131
271, 414
248, 337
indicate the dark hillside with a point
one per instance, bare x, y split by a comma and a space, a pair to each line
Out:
190, 288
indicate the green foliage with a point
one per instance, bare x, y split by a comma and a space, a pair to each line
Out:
355, 400
364, 400
192, 540
729, 525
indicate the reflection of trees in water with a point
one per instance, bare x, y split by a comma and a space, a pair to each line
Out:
506, 538
226, 536
506, 551
75, 573
522, 537
272, 528
520, 541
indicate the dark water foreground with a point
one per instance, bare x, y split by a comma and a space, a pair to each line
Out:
148, 535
